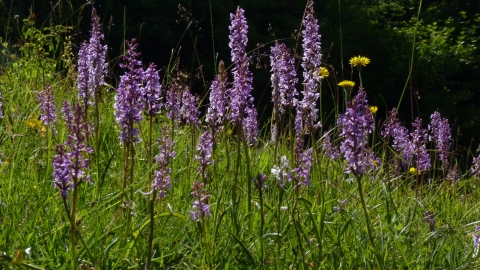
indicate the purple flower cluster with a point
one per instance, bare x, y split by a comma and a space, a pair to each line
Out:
61, 171
401, 139
304, 164
129, 101
204, 156
47, 106
441, 135
303, 160
173, 97
77, 126
92, 67
307, 107
250, 125
180, 103
475, 170
391, 124
476, 238
71, 162
410, 146
283, 78
454, 175
162, 175
189, 110
329, 150
355, 125
311, 61
152, 91
298, 125
419, 137
242, 110
312, 55
242, 85
200, 207
216, 112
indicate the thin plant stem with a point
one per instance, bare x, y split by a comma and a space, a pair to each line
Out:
213, 37
279, 221
149, 148
320, 193
369, 226
262, 224
131, 199
97, 142
297, 225
412, 57
360, 75
67, 211
249, 174
154, 194
235, 187
206, 242
227, 146
72, 223
152, 228
290, 128
97, 126
125, 168
172, 134
277, 127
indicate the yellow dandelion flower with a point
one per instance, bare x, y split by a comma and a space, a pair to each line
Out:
373, 109
413, 170
346, 83
33, 123
359, 61
323, 72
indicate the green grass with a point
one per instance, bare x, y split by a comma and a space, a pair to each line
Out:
33, 218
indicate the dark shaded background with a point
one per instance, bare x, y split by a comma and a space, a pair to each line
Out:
445, 75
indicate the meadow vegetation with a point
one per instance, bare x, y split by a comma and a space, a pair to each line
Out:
99, 172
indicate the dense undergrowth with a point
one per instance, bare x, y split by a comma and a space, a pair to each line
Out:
97, 175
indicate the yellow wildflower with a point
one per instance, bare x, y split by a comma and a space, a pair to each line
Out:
323, 72
33, 123
373, 109
43, 131
346, 83
413, 170
359, 61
